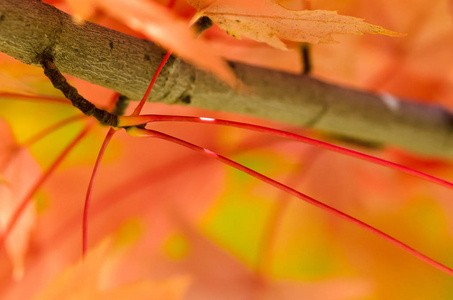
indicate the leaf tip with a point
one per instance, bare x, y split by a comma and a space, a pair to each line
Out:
387, 32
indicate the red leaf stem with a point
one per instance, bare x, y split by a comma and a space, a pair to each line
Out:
134, 131
136, 120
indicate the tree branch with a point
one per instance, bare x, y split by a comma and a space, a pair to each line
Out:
29, 28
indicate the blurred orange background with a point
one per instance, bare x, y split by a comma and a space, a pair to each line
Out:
195, 227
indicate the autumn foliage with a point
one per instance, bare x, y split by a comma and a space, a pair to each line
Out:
169, 223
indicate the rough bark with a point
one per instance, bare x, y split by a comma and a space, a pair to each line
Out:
125, 64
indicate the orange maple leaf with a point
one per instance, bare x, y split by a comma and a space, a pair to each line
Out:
163, 27
18, 172
10, 84
81, 10
84, 280
268, 22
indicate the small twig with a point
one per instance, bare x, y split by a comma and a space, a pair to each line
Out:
71, 93
85, 106
202, 24
121, 104
305, 50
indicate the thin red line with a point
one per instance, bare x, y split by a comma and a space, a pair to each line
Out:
35, 97
139, 107
152, 133
136, 120
46, 131
86, 207
26, 200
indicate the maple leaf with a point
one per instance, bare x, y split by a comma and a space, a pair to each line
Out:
84, 280
269, 22
81, 9
18, 172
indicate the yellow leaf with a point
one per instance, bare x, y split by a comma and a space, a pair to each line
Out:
268, 22
12, 85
